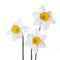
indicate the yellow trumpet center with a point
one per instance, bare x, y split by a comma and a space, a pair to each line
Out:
44, 16
36, 40
16, 29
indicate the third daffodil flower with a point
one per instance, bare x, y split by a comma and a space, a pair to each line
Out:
17, 30
35, 40
43, 18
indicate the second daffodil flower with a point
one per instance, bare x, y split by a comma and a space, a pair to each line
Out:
17, 30
35, 40
43, 18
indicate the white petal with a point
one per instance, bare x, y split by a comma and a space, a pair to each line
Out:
36, 32
28, 43
24, 29
50, 12
51, 20
37, 22
43, 37
42, 44
30, 36
42, 9
19, 35
35, 48
19, 22
45, 26
16, 36
35, 14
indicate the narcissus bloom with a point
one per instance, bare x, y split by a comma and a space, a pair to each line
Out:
17, 30
35, 40
43, 18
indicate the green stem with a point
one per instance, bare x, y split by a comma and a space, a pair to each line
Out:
36, 56
22, 47
31, 54
39, 28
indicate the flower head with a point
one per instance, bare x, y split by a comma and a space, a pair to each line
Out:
43, 18
35, 40
17, 30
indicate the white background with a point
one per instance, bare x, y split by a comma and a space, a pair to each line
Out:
12, 10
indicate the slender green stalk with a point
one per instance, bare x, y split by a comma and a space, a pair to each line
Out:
22, 47
31, 53
39, 28
36, 56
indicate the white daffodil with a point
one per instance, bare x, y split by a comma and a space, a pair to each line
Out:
43, 18
17, 30
35, 40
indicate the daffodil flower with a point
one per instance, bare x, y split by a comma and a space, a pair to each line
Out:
35, 41
43, 18
17, 30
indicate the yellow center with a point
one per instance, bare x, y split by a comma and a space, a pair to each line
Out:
44, 16
16, 29
36, 40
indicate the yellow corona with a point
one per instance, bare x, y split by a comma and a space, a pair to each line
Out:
16, 29
36, 40
44, 16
